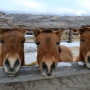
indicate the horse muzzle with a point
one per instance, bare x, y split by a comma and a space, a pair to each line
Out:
11, 69
48, 72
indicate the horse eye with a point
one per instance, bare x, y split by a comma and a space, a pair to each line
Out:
2, 41
38, 43
57, 43
23, 41
82, 40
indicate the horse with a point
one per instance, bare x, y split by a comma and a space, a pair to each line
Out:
12, 51
49, 52
84, 51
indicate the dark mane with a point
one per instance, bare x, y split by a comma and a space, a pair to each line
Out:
47, 31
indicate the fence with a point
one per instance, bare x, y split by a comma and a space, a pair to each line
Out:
33, 22
67, 36
70, 36
74, 77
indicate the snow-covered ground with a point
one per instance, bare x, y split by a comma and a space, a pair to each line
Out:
31, 50
62, 64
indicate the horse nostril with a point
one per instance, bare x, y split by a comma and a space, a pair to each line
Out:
11, 69
88, 59
53, 66
49, 74
17, 63
7, 62
44, 67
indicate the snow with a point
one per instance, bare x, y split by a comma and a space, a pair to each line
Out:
37, 65
68, 64
73, 44
30, 57
30, 50
64, 64
81, 63
30, 47
29, 36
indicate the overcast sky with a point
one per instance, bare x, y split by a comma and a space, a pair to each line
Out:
56, 7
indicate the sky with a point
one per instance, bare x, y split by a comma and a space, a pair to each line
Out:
47, 7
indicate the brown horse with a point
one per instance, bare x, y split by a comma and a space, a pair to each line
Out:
12, 51
84, 52
49, 52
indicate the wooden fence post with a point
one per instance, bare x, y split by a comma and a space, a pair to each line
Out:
70, 36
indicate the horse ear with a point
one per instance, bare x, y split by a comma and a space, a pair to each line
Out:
23, 32
36, 32
59, 33
80, 31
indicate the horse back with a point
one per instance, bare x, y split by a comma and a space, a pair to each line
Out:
66, 54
